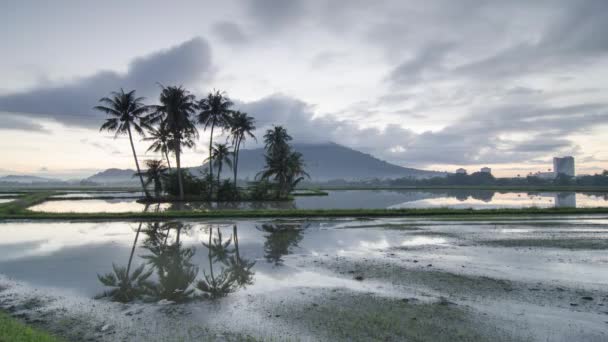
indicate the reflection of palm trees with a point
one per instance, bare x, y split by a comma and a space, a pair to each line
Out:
125, 287
281, 239
239, 267
172, 262
175, 272
221, 284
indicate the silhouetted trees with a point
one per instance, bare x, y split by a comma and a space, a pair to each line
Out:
127, 113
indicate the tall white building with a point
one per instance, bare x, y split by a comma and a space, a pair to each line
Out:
485, 170
564, 165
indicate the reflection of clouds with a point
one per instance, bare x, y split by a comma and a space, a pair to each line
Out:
49, 237
424, 240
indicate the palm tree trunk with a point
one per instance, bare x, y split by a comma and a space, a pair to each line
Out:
168, 161
219, 171
210, 150
179, 170
236, 160
141, 178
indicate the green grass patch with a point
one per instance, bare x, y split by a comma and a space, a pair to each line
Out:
12, 330
576, 243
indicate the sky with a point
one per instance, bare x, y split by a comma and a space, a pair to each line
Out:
436, 84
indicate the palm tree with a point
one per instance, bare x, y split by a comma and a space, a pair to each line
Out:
241, 126
161, 142
214, 111
282, 164
220, 154
175, 111
126, 113
277, 140
155, 174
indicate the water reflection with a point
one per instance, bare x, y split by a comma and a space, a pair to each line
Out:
280, 240
169, 273
355, 199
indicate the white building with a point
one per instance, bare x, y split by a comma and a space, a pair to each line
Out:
564, 165
461, 171
485, 170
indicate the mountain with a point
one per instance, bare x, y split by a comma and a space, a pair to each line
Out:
113, 176
329, 161
27, 179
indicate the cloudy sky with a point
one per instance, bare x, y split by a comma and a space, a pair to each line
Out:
430, 84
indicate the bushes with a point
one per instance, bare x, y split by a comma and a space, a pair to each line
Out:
193, 187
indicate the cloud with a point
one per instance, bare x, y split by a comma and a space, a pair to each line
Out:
274, 15
71, 103
484, 136
230, 32
18, 122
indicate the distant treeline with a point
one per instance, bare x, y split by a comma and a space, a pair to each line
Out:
479, 179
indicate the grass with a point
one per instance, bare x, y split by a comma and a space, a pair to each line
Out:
12, 330
596, 244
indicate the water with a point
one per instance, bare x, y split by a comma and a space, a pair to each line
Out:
258, 270
358, 199
70, 255
98, 194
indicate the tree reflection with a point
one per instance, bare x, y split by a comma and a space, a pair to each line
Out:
239, 267
175, 274
219, 284
171, 261
282, 238
125, 287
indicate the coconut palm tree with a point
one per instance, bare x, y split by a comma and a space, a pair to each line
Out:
155, 174
283, 165
220, 154
126, 113
175, 112
215, 112
241, 126
277, 140
161, 142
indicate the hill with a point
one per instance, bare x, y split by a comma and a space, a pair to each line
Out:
330, 161
113, 176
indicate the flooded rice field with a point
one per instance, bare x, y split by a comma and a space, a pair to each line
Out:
511, 279
350, 199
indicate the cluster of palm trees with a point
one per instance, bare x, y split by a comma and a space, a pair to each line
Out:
171, 126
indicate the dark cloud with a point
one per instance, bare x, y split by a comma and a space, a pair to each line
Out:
71, 103
273, 15
18, 122
230, 32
